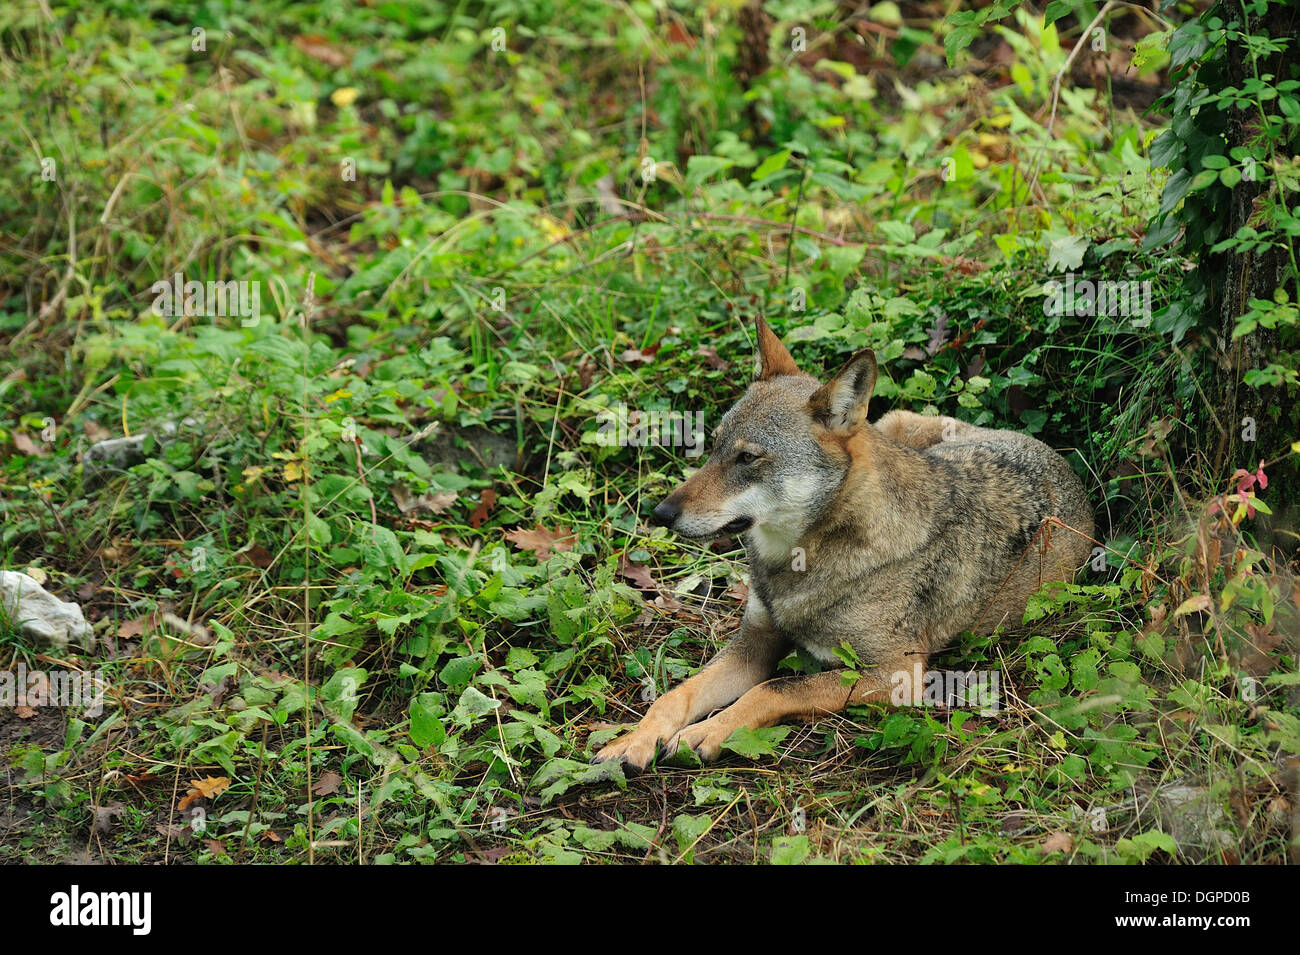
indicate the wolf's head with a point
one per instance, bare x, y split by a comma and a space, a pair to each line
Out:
779, 455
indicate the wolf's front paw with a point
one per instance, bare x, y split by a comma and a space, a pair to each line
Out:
635, 749
706, 738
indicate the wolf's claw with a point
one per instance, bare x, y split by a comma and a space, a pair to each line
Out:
635, 750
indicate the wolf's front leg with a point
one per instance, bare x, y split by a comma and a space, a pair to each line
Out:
744, 662
810, 696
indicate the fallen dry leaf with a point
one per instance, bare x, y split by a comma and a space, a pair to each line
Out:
1198, 604
638, 574
209, 787
259, 556
318, 48
712, 359
172, 831
195, 631
486, 501
327, 785
1057, 842
635, 356
104, 816
433, 503
541, 541
95, 432
133, 628
26, 445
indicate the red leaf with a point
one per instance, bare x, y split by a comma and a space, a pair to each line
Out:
486, 501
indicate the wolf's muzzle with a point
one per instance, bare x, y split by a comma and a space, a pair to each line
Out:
666, 513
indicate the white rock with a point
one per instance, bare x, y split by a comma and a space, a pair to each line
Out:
119, 453
40, 616
1195, 820
122, 453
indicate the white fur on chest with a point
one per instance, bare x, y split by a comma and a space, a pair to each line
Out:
784, 514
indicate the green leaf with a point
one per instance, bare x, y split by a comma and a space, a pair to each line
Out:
790, 850
1204, 178
1178, 185
342, 690
753, 743
558, 775
1166, 149
1066, 252
701, 168
1055, 10
898, 233
473, 703
460, 671
318, 530
426, 727
957, 40
220, 750
688, 830
1140, 847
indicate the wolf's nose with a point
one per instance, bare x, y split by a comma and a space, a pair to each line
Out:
666, 513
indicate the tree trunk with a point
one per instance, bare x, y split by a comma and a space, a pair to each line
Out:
1235, 278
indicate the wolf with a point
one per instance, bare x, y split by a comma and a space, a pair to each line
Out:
889, 539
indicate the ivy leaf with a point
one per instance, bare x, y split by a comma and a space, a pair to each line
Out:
1166, 149
1179, 184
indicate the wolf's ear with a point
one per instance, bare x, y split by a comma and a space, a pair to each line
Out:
841, 403
773, 358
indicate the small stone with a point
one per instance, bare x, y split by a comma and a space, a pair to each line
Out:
39, 615
1195, 820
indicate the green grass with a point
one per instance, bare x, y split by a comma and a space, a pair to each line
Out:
338, 492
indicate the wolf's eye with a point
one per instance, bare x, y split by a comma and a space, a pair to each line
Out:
744, 457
